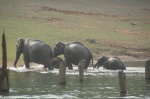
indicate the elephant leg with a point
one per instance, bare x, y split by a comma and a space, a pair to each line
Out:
49, 65
98, 66
69, 65
45, 66
26, 61
106, 66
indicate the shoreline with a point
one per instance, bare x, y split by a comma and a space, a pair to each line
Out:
122, 57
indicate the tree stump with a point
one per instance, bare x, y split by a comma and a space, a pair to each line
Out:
122, 81
147, 70
62, 74
81, 66
4, 75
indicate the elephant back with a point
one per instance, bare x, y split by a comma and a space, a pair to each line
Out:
114, 64
76, 52
36, 48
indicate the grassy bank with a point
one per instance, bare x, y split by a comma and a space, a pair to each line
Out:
119, 27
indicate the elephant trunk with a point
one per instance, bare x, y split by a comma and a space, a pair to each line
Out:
95, 65
17, 58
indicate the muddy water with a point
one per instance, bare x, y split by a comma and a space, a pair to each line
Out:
41, 83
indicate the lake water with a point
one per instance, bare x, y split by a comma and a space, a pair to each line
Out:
98, 83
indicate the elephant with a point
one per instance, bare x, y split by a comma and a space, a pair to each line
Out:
56, 62
113, 63
73, 52
34, 51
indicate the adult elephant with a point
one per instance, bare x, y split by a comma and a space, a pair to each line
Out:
73, 52
112, 63
34, 51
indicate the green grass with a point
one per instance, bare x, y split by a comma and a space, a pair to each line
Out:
26, 19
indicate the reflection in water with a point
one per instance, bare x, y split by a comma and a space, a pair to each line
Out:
122, 94
98, 83
147, 82
147, 85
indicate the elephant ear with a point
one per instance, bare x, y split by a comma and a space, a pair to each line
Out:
60, 47
103, 59
57, 45
21, 41
20, 44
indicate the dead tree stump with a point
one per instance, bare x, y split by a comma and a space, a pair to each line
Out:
147, 70
81, 66
62, 74
122, 81
4, 75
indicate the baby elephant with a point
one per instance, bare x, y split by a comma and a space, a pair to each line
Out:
56, 62
112, 63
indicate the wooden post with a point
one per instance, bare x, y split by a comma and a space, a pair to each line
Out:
147, 70
4, 75
122, 81
62, 73
81, 66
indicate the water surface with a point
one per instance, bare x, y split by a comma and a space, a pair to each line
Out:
98, 83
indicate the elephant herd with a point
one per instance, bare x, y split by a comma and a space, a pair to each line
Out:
39, 52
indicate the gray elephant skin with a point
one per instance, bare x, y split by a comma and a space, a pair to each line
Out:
73, 52
34, 51
113, 63
56, 62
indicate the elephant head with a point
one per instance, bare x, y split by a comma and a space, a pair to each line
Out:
101, 61
19, 49
59, 48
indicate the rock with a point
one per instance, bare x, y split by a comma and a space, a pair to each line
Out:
92, 41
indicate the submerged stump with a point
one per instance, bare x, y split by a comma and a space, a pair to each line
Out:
62, 74
147, 70
81, 66
122, 81
4, 81
4, 74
